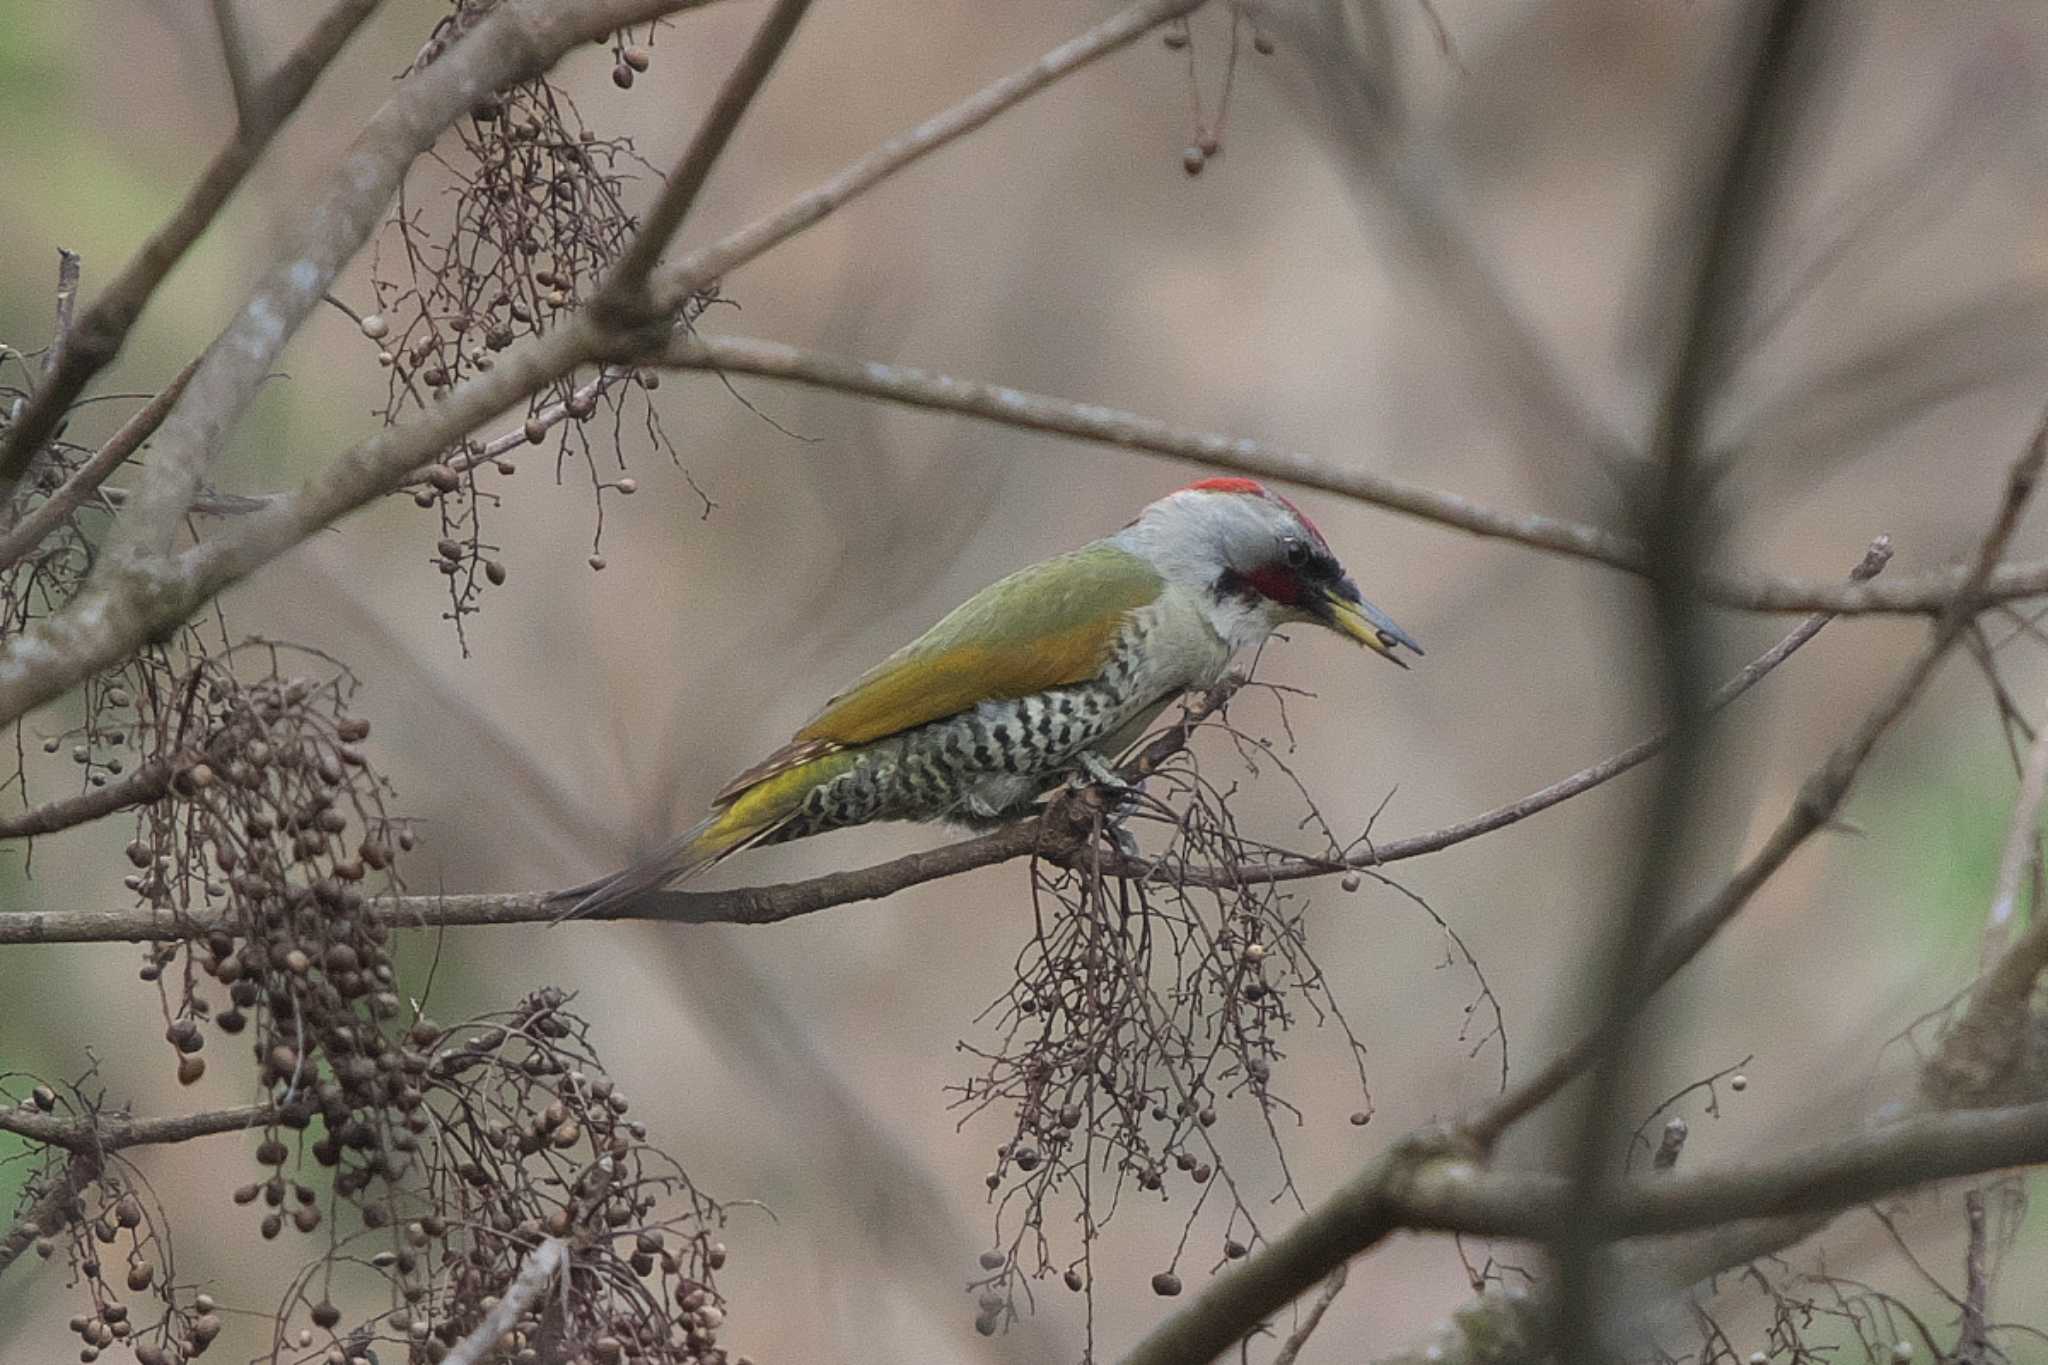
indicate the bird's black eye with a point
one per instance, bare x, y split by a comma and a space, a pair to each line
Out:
1297, 554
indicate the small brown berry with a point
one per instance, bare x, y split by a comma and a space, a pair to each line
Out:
1073, 1280
597, 562
495, 572
622, 76
636, 57
190, 1069
627, 487
375, 327
141, 1274
1192, 160
443, 478
536, 430
1166, 1284
992, 1260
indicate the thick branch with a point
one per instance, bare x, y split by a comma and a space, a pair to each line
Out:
536, 1273
97, 336
112, 1134
1427, 1182
56, 1209
146, 784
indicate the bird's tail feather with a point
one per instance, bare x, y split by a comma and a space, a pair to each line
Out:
750, 817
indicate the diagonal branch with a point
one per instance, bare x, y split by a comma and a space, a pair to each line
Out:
1820, 796
622, 303
110, 619
48, 515
513, 40
97, 336
146, 784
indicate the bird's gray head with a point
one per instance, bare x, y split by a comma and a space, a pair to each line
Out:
1261, 563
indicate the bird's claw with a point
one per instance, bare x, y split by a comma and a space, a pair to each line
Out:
1101, 774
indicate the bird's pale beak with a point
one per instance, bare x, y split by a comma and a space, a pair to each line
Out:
1352, 615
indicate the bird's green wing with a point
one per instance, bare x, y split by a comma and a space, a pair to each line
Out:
1045, 626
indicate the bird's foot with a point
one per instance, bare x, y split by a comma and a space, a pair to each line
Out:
1098, 772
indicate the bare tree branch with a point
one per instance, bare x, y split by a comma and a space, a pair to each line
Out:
1820, 796
1290, 1349
108, 621
57, 1208
146, 784
48, 515
234, 54
1920, 594
622, 303
1429, 1182
97, 337
514, 39
100, 1134
535, 1274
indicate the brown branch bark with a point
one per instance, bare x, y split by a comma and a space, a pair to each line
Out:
48, 515
146, 784
1430, 1182
1820, 796
112, 617
97, 336
1919, 594
56, 1209
113, 1134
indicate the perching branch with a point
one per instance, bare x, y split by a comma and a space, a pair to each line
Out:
1052, 837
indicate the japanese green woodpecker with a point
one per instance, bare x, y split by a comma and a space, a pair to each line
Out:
1034, 677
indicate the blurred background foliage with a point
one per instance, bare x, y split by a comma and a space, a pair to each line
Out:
1064, 249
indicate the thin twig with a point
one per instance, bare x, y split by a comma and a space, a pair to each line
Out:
1820, 796
623, 302
48, 515
2022, 850
98, 335
1298, 1338
69, 267
1918, 595
536, 1273
234, 53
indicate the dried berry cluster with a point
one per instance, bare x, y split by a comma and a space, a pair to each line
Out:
502, 235
1142, 1008
498, 1133
530, 1139
273, 828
